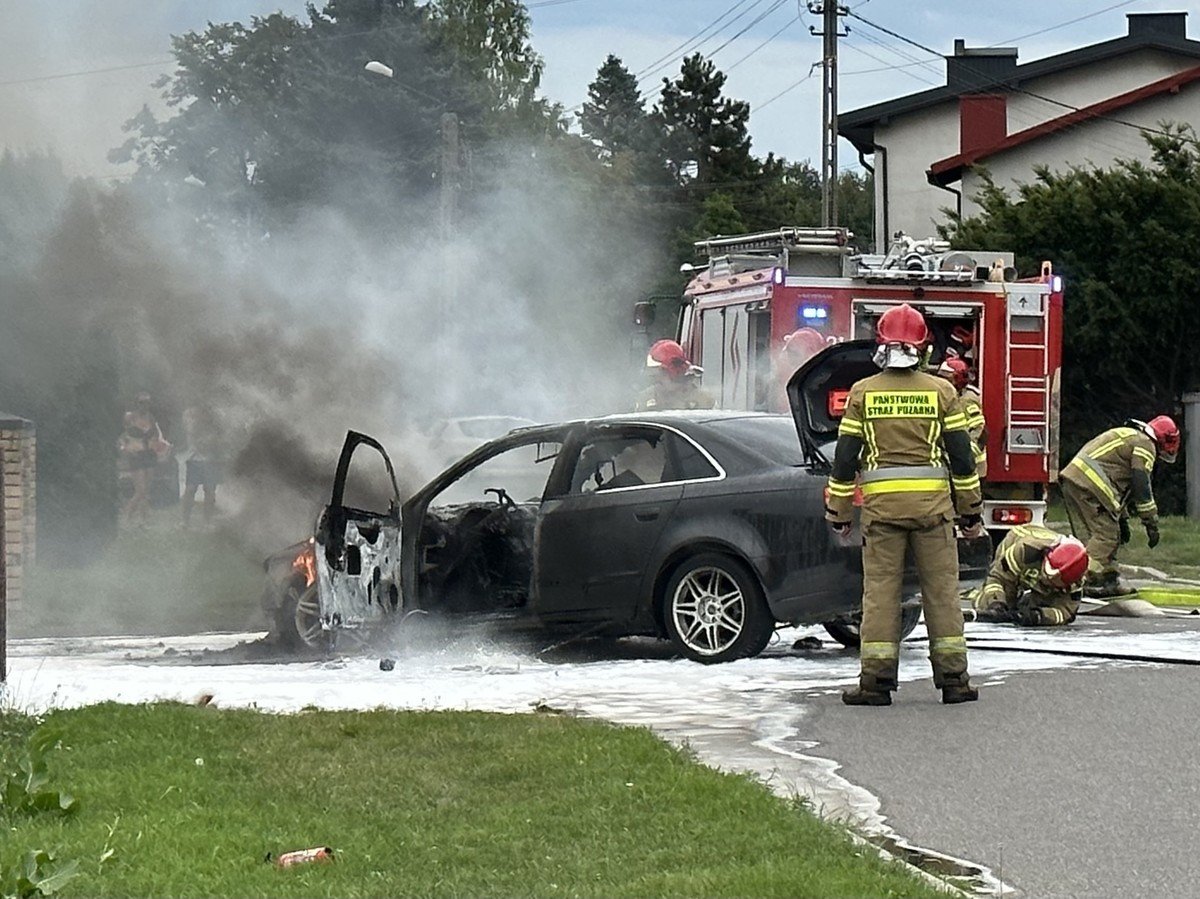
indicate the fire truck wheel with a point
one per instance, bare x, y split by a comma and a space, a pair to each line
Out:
297, 620
715, 611
846, 628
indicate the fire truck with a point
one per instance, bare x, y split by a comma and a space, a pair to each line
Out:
755, 290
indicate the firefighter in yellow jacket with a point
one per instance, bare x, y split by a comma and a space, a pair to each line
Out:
1107, 478
898, 427
1035, 578
958, 373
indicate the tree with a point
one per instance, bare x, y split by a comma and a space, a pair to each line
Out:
1124, 241
614, 115
704, 136
279, 113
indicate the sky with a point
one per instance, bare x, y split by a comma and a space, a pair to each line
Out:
764, 45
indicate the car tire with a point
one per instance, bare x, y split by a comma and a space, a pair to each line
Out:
715, 611
298, 621
846, 628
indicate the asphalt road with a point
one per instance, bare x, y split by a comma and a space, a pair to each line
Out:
1067, 782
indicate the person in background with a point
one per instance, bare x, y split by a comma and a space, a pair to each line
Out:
1109, 476
955, 370
675, 382
798, 347
141, 446
203, 460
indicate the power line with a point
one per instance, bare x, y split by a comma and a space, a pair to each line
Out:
1090, 15
56, 77
683, 47
786, 25
774, 6
788, 89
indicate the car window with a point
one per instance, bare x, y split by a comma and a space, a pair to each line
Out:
772, 436
690, 463
521, 472
368, 486
612, 461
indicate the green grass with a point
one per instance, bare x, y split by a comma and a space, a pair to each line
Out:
157, 580
430, 804
1178, 552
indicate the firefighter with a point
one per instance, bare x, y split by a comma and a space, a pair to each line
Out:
958, 373
895, 430
1107, 478
675, 381
1035, 578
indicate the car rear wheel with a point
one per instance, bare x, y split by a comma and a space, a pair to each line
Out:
298, 620
715, 611
846, 629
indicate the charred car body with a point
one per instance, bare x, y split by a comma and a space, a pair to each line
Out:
705, 528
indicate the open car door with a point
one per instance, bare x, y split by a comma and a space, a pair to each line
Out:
817, 395
358, 549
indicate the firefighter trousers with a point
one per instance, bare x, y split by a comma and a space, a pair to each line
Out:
935, 551
1092, 523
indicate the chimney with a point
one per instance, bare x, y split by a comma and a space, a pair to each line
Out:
1170, 25
973, 70
982, 121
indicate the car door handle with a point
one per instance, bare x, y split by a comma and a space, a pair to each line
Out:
646, 513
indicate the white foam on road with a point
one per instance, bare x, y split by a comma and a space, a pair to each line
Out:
743, 716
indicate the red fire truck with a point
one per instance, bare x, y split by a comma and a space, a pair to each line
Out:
756, 289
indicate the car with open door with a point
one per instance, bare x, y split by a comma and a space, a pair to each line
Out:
702, 527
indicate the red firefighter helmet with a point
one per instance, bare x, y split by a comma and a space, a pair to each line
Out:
1066, 562
668, 355
956, 371
1166, 435
902, 324
804, 343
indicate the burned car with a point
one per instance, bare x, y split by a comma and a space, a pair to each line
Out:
705, 528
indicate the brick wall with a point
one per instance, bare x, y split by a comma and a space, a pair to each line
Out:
18, 452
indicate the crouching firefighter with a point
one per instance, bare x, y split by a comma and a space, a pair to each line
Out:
1108, 476
897, 428
1035, 579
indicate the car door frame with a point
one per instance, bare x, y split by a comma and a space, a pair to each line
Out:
345, 599
412, 513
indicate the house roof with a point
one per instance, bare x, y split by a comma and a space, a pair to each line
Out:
948, 170
1146, 33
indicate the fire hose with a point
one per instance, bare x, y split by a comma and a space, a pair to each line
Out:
1076, 653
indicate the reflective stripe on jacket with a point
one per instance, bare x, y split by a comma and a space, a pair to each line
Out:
1116, 467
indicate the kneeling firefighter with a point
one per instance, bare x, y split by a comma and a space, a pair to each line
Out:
1035, 579
897, 428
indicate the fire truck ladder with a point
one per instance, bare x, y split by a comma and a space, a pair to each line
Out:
1028, 427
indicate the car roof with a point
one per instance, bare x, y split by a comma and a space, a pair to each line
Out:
664, 417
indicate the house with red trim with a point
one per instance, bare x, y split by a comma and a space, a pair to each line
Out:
1084, 107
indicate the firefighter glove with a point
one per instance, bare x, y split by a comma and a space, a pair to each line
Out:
971, 525
1030, 616
841, 528
1123, 524
1152, 535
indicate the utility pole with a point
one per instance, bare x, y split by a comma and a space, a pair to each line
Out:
829, 11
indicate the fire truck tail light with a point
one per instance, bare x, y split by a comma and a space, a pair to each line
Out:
836, 402
1012, 515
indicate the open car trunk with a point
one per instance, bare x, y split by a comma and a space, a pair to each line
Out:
817, 396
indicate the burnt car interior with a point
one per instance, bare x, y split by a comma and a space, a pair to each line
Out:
476, 540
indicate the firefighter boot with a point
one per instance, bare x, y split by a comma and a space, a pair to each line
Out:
871, 690
957, 688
